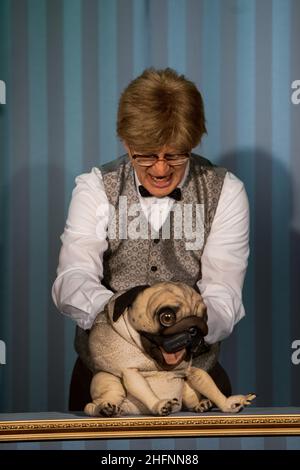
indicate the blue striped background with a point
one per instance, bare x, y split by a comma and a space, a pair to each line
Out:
165, 444
65, 63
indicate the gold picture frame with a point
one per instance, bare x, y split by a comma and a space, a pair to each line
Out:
183, 425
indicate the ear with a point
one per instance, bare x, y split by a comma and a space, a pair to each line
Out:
126, 146
126, 299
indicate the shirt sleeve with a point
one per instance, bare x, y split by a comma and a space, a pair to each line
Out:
224, 260
77, 290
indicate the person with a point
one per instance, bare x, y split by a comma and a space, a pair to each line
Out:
123, 225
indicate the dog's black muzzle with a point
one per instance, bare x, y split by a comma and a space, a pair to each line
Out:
188, 333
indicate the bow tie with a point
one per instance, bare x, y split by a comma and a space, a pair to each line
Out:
175, 194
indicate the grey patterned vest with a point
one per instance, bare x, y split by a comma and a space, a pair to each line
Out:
159, 256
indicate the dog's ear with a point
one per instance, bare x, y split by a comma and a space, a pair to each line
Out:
126, 299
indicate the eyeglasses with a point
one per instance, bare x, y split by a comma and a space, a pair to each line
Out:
171, 159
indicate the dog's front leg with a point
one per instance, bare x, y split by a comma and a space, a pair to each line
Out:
138, 386
202, 382
194, 401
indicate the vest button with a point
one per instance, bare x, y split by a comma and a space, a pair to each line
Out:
156, 240
153, 268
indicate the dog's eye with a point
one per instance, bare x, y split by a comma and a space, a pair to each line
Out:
167, 317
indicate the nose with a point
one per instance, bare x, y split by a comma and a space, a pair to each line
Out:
161, 167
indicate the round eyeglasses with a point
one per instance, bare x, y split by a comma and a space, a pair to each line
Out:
171, 159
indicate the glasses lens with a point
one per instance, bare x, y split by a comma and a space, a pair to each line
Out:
145, 160
172, 160
179, 159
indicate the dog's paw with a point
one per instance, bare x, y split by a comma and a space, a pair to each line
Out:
175, 405
109, 409
165, 407
102, 409
92, 409
203, 405
236, 403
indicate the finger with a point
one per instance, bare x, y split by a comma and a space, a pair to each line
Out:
251, 396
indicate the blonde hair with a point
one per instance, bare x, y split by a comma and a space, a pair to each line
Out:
161, 108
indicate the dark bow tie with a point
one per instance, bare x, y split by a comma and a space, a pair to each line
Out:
175, 194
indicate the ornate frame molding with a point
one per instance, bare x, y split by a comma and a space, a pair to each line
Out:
133, 427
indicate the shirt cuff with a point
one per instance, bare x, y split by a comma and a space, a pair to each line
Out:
221, 319
84, 317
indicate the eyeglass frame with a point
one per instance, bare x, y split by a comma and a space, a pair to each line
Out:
170, 163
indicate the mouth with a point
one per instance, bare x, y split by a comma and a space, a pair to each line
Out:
160, 181
177, 343
165, 360
174, 358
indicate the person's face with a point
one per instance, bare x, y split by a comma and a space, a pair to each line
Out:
161, 178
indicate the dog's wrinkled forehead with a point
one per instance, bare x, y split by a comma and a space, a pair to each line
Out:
184, 299
145, 302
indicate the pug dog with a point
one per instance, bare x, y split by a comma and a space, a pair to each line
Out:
141, 350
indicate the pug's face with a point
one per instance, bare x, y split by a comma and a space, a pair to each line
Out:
167, 315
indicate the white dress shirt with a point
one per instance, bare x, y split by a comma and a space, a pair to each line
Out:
77, 290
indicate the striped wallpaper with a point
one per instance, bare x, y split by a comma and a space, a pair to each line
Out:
64, 63
228, 443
